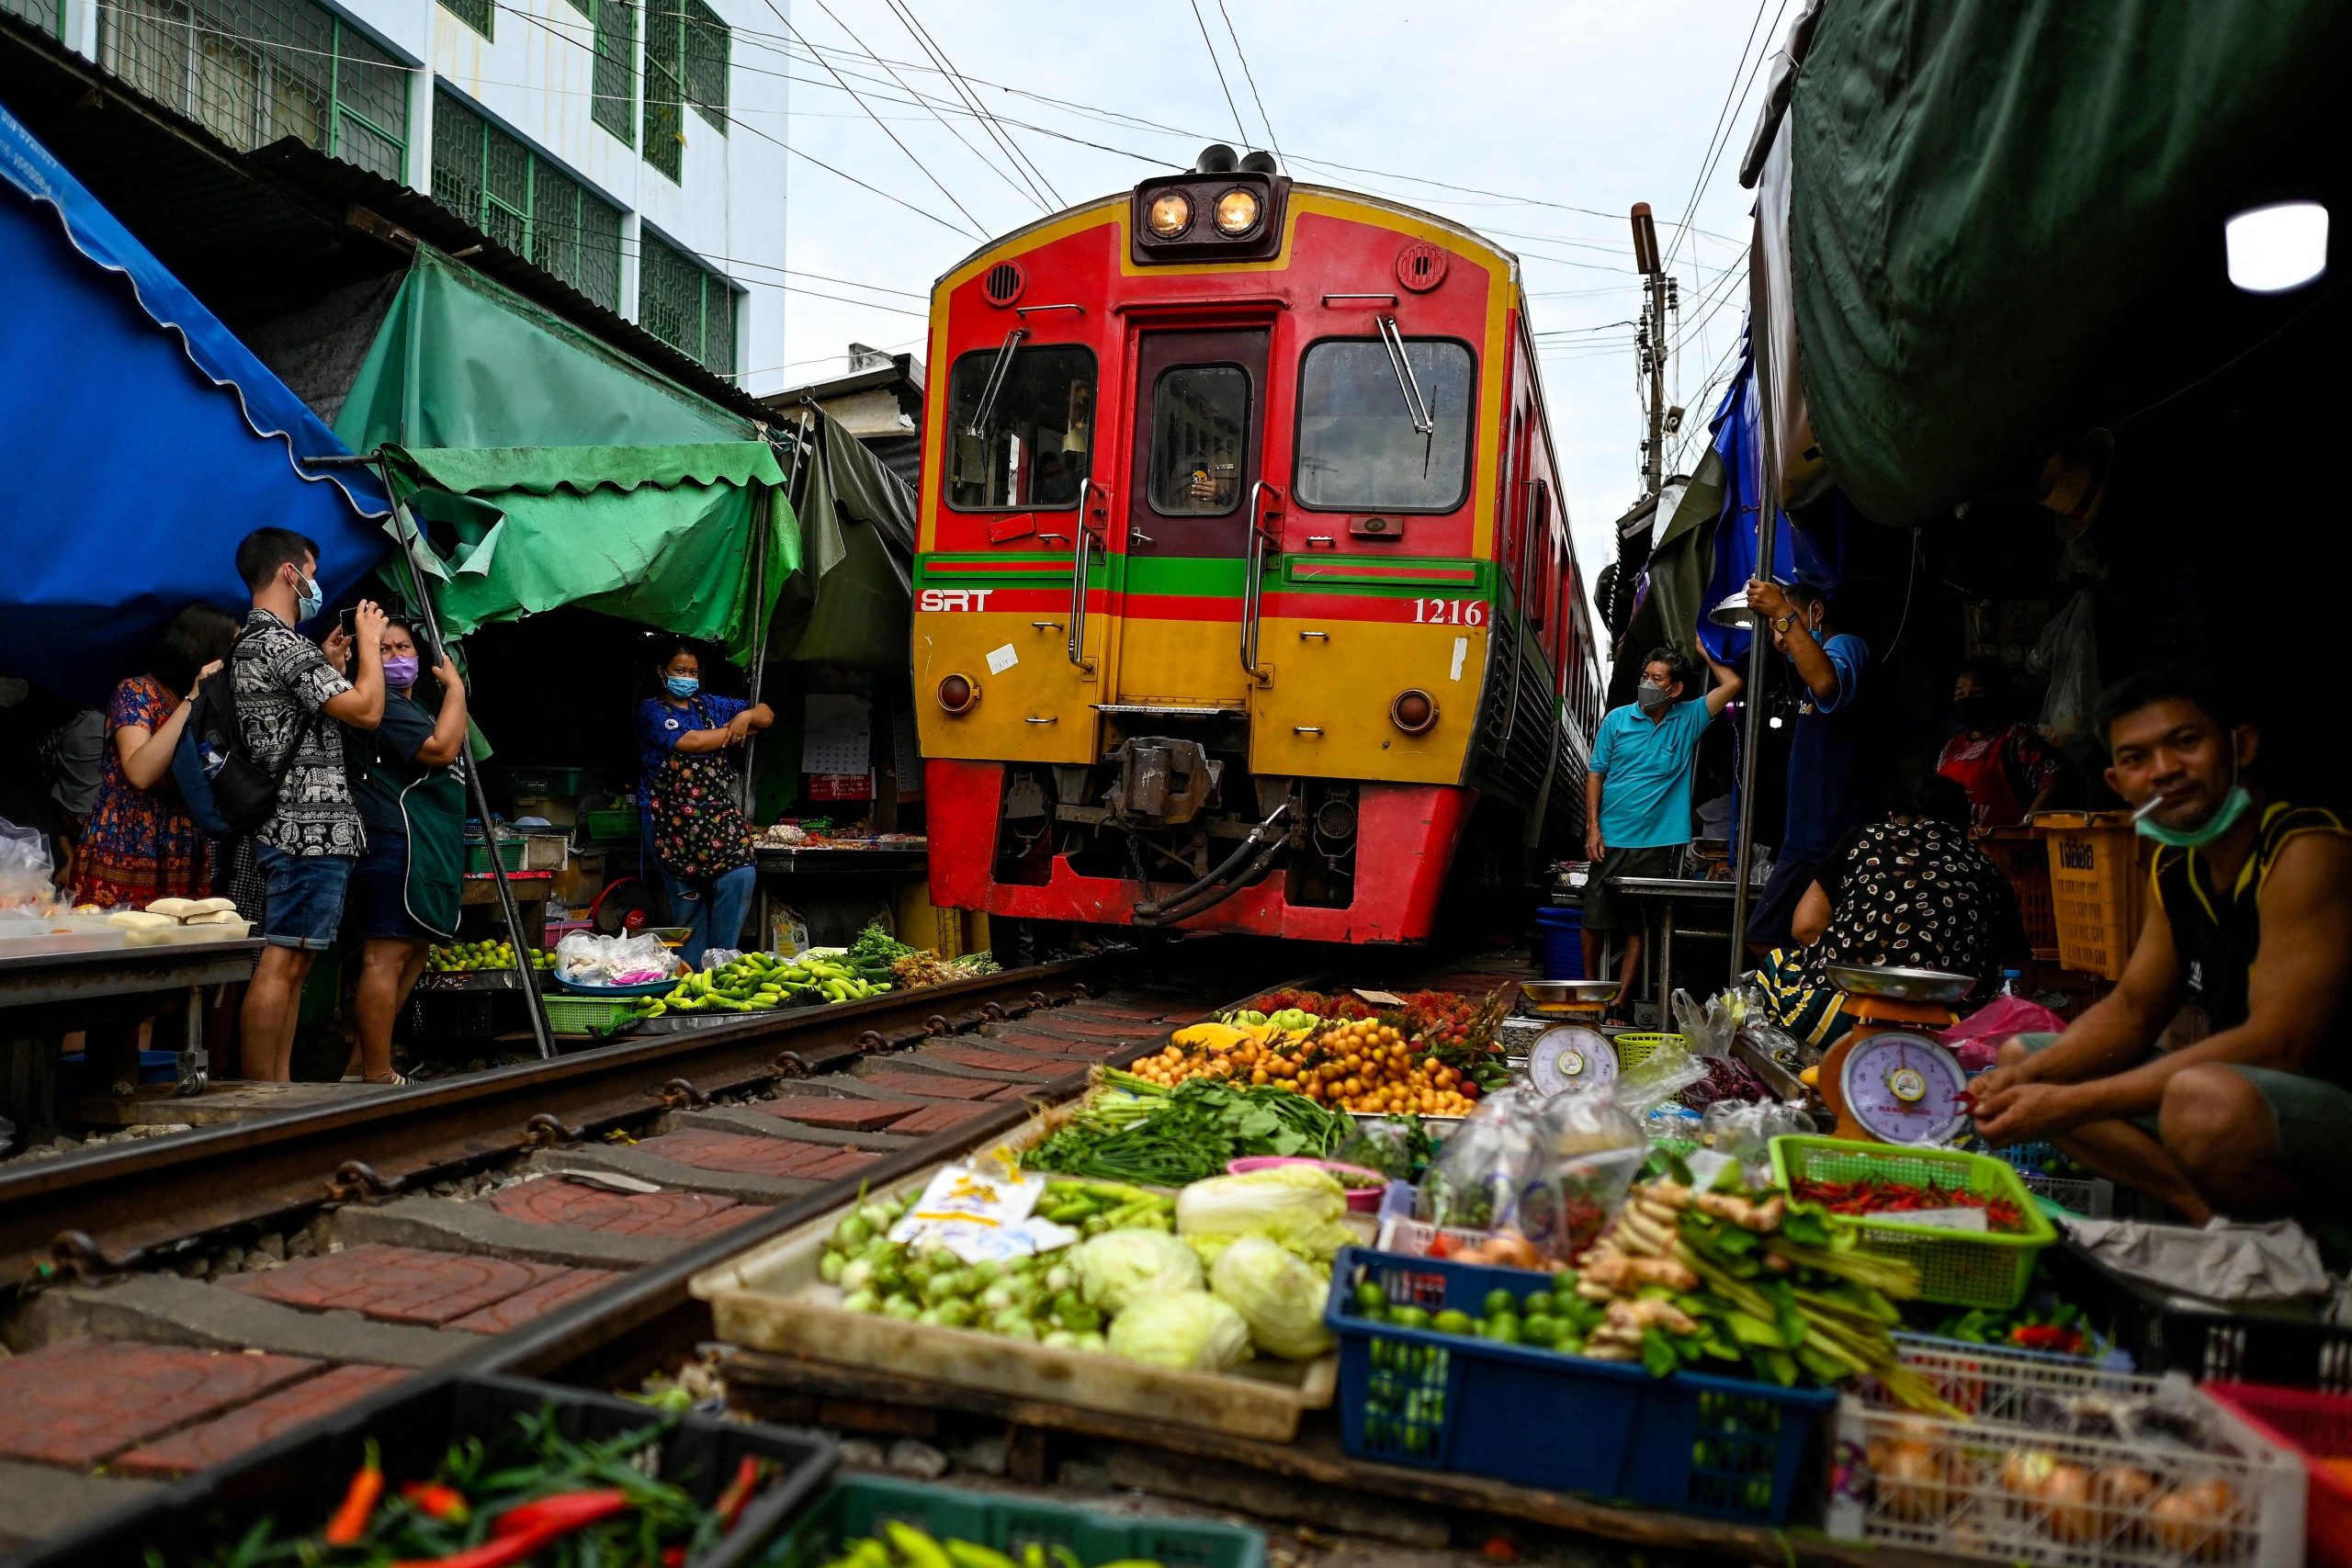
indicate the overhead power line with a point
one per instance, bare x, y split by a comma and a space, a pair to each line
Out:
1030, 172
1240, 131
1252, 77
1726, 117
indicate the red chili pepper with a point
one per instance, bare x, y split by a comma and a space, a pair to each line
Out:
739, 1492
502, 1553
561, 1514
673, 1557
438, 1500
350, 1520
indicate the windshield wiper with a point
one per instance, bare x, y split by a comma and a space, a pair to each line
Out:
1416, 408
978, 423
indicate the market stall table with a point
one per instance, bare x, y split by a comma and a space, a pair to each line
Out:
1666, 893
45, 996
531, 890
830, 873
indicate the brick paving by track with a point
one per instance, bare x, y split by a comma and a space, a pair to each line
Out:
1033, 1042
402, 1284
226, 1437
847, 1115
931, 1086
939, 1118
82, 1402
954, 1055
752, 1155
579, 1206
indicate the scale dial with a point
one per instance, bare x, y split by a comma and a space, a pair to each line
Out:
1571, 1056
1905, 1088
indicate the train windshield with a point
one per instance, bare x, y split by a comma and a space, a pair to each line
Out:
1200, 427
1358, 447
1033, 447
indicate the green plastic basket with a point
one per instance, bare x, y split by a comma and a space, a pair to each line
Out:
510, 855
1637, 1046
1957, 1268
858, 1507
609, 823
586, 1015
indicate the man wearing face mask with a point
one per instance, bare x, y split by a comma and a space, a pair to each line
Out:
2251, 915
1835, 767
1638, 794
292, 696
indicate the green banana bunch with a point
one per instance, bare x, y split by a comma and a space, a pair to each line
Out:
903, 1546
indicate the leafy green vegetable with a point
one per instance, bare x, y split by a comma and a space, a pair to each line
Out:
1191, 1331
1119, 1267
1171, 1137
1279, 1297
1295, 1206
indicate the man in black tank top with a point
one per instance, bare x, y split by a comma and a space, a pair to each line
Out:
2249, 911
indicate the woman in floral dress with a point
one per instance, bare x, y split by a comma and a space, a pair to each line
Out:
140, 844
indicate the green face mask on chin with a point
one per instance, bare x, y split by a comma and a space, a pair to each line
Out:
2233, 805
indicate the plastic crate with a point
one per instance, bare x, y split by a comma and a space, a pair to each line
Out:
2024, 860
1957, 1268
2288, 1345
860, 1505
2095, 884
544, 851
587, 1015
1724, 1446
608, 823
510, 855
299, 1478
1950, 1494
1637, 1046
2315, 1427
552, 779
2090, 1196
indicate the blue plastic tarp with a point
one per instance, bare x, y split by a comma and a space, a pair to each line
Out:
139, 442
1795, 554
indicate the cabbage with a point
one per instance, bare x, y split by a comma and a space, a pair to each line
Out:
1297, 1206
1280, 1297
1118, 1268
1191, 1331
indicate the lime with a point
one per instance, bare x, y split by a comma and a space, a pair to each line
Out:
1503, 1329
1453, 1322
1409, 1317
1499, 1302
1540, 1329
1371, 1298
1540, 1303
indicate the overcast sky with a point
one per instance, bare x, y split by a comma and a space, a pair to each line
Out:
1560, 114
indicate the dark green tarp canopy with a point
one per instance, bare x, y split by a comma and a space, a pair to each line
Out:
2006, 222
667, 537
858, 529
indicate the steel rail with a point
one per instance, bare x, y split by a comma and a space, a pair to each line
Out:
129, 1198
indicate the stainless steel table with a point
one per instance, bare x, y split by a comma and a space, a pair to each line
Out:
45, 996
1666, 893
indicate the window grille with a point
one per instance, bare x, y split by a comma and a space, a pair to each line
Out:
255, 72
476, 14
526, 202
706, 45
687, 305
615, 105
666, 79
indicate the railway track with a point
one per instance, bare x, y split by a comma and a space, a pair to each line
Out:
180, 1300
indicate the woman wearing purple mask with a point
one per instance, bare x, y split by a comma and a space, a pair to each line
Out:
405, 889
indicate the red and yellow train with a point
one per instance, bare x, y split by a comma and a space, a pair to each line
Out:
1244, 597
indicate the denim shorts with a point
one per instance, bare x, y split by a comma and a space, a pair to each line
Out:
379, 896
305, 905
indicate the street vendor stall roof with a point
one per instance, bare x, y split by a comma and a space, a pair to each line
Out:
670, 536
140, 440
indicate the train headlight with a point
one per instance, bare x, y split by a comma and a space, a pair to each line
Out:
1171, 214
958, 694
1236, 211
1414, 711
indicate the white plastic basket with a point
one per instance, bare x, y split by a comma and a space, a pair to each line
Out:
1412, 1238
1899, 1478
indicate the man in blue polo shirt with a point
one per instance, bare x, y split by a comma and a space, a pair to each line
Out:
1638, 794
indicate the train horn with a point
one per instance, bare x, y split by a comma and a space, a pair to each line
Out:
1259, 163
1217, 158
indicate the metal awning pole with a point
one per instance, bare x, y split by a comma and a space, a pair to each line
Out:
405, 533
767, 616
1751, 729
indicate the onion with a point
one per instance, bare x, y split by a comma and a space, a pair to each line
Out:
2066, 1493
2023, 1471
2123, 1489
2194, 1519
1910, 1483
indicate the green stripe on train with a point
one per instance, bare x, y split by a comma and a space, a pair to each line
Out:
1213, 577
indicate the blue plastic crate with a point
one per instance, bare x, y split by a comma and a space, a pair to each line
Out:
1727, 1447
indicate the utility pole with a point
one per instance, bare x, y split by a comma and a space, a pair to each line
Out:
1649, 343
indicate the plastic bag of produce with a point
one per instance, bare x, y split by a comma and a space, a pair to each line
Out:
1120, 1267
26, 872
1191, 1331
1708, 1031
1279, 1297
1596, 1151
1295, 1206
1392, 1145
1665, 1073
589, 959
1744, 1133
1493, 1159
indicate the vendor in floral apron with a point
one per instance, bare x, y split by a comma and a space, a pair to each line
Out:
694, 825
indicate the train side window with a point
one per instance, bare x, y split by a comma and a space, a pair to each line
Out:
1358, 447
1033, 451
1199, 429
1537, 552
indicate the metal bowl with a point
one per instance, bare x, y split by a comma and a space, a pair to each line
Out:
1569, 993
1901, 985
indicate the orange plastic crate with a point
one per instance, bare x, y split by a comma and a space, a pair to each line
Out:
2022, 856
2096, 882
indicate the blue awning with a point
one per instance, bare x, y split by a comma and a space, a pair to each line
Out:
139, 442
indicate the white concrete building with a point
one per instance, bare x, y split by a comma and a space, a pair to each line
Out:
621, 145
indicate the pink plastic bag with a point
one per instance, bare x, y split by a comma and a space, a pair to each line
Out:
1977, 1038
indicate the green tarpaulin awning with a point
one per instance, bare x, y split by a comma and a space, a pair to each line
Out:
2005, 217
854, 606
665, 535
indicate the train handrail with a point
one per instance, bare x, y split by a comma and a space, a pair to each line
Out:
1519, 589
1252, 588
1081, 556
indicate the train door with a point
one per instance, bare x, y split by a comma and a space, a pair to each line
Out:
1200, 402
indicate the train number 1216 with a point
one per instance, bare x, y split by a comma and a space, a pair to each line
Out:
1450, 612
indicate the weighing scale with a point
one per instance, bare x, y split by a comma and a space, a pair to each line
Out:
1890, 1080
1567, 1050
